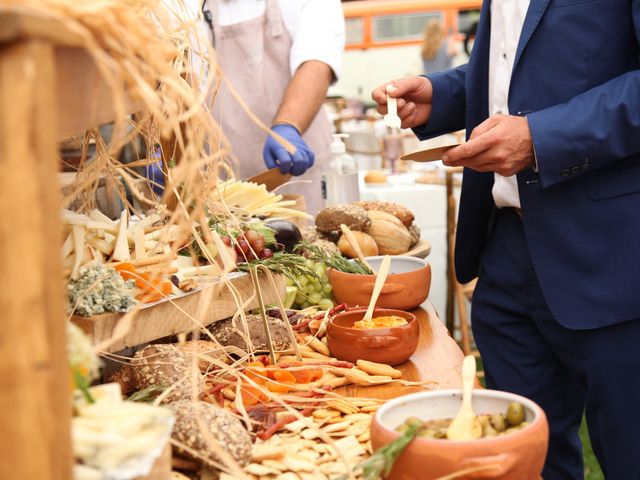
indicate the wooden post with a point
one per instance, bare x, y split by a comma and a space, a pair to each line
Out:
451, 229
34, 381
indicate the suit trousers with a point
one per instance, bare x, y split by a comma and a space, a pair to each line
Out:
567, 372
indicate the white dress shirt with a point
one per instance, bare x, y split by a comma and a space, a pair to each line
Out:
507, 19
316, 27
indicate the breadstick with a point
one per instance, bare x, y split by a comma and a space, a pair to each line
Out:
373, 368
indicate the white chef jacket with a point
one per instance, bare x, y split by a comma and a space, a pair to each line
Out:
507, 19
316, 27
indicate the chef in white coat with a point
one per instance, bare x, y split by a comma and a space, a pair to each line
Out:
281, 56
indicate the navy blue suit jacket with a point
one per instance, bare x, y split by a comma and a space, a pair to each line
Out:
577, 79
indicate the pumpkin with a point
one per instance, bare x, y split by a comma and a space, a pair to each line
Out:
367, 245
391, 236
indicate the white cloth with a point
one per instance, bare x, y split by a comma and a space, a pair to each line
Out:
507, 19
316, 27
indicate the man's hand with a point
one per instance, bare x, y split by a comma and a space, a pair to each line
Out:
501, 144
275, 155
414, 96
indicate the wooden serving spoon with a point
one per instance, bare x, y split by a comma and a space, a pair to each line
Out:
466, 425
346, 231
377, 287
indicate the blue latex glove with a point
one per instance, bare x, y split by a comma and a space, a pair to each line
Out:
275, 155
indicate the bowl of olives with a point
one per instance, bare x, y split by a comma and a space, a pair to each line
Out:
513, 444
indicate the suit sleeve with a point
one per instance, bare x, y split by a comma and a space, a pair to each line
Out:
448, 106
591, 131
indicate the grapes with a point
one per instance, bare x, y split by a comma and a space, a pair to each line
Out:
250, 246
313, 290
258, 244
252, 236
242, 247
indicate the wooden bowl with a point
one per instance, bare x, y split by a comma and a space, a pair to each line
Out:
513, 456
392, 345
406, 287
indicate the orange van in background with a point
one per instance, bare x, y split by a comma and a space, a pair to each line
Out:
383, 39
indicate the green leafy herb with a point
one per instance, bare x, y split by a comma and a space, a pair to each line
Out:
290, 265
379, 464
148, 394
82, 383
333, 260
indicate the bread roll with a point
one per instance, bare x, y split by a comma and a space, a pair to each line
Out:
330, 219
415, 232
229, 334
367, 245
166, 365
375, 176
199, 423
401, 212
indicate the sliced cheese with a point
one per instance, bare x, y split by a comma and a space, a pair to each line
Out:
121, 251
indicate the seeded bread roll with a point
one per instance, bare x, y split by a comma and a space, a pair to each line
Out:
330, 219
125, 376
415, 232
229, 334
198, 424
165, 365
400, 212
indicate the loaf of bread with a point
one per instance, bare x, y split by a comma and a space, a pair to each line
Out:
400, 212
166, 365
198, 424
353, 216
415, 232
375, 176
367, 244
229, 333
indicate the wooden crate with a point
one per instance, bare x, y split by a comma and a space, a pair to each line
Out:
181, 315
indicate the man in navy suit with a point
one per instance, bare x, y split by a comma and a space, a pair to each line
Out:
549, 216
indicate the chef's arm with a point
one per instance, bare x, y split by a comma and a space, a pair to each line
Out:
304, 95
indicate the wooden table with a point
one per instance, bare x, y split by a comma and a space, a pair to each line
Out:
438, 358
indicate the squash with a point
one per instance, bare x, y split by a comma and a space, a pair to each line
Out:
389, 233
367, 244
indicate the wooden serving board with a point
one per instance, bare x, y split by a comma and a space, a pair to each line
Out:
180, 314
422, 249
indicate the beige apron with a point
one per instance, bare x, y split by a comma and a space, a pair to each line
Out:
254, 56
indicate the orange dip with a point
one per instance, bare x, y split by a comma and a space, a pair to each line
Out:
380, 322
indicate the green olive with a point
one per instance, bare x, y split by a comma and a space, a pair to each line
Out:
489, 431
515, 414
402, 428
411, 421
498, 422
427, 433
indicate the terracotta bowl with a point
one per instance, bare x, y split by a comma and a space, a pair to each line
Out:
406, 287
382, 345
514, 456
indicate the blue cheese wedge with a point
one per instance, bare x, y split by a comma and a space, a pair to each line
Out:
100, 289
